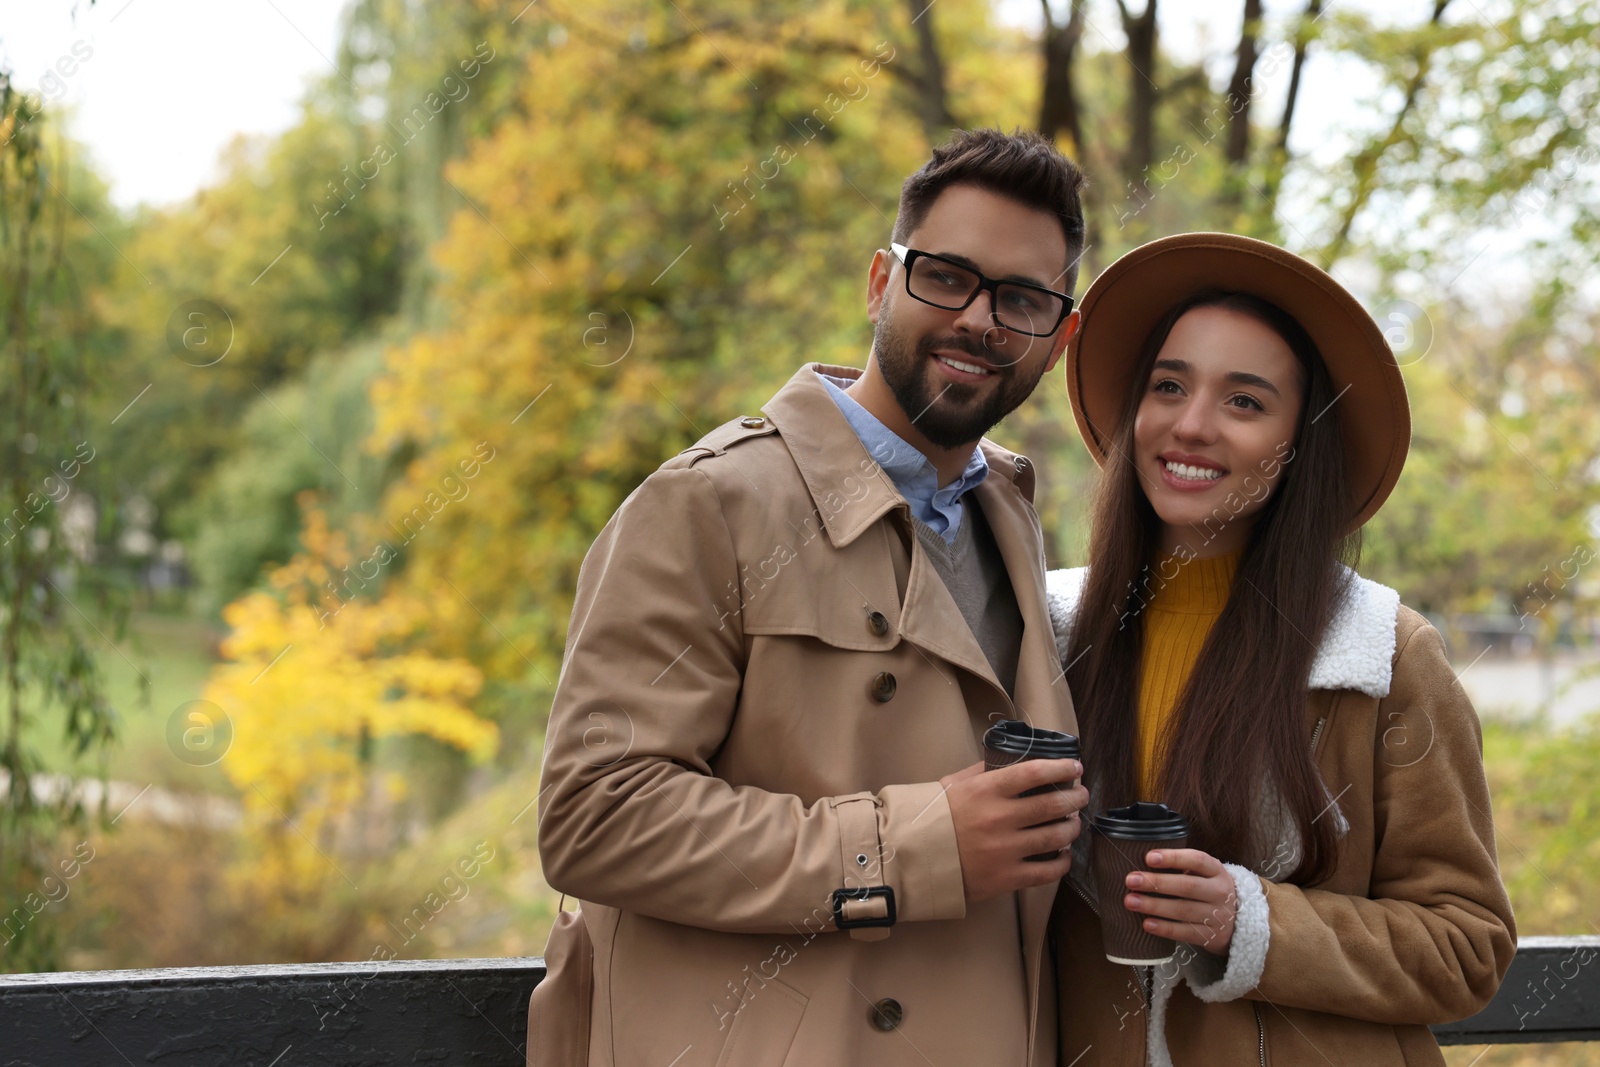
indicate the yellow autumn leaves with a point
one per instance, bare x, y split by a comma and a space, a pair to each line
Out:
309, 691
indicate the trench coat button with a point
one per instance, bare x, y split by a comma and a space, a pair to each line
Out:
752, 422
877, 623
883, 686
887, 1013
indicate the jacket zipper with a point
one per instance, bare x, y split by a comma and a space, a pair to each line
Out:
1261, 1030
1085, 897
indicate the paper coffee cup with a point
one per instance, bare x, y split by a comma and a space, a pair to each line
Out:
1012, 741
1119, 840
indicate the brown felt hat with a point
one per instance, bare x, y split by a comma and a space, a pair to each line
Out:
1127, 298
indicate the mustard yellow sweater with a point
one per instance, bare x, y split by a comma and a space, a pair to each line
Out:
1177, 617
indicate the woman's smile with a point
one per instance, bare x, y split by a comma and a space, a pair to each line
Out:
1189, 474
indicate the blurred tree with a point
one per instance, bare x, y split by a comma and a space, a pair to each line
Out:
396, 53
281, 279
246, 520
1058, 98
303, 731
1140, 29
1495, 509
52, 255
348, 198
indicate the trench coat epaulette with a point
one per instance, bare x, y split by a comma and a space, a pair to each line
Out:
1021, 470
723, 438
1017, 469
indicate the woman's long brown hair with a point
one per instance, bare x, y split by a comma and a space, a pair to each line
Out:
1239, 722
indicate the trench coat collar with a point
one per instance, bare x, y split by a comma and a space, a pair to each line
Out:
851, 493
847, 486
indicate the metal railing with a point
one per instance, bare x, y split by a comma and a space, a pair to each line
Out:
474, 1012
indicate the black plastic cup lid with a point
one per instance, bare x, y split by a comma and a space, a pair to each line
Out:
1018, 738
1141, 821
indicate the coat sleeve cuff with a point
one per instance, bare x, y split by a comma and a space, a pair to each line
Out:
1215, 980
922, 861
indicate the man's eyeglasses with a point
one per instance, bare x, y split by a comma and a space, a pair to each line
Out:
1018, 306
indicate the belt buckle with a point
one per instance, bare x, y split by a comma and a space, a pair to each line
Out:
864, 893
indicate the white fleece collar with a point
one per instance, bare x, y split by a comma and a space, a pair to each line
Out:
1357, 652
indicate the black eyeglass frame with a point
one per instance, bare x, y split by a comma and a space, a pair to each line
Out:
907, 256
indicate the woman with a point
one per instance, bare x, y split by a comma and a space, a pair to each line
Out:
1341, 891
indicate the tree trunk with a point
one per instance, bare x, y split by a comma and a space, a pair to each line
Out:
1240, 87
1313, 13
1058, 104
1142, 91
932, 105
1280, 148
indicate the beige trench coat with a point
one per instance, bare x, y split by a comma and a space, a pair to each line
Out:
764, 680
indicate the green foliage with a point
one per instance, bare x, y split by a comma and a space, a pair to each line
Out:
1546, 809
397, 53
50, 255
308, 433
1499, 145
1492, 512
308, 245
289, 281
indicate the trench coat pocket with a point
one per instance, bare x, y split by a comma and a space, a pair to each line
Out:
561, 1004
763, 1029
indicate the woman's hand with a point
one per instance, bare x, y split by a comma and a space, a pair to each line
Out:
1203, 904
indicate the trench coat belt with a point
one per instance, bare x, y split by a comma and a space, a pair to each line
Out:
863, 861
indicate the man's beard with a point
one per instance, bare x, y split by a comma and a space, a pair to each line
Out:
951, 414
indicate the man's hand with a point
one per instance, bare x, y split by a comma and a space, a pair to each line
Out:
996, 827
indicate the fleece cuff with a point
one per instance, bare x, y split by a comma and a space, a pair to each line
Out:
1247, 954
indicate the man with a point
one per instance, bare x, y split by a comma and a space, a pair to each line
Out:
760, 773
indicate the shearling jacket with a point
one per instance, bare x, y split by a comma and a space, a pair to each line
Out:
1412, 928
764, 681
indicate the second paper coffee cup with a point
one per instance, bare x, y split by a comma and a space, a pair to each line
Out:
1119, 839
1012, 741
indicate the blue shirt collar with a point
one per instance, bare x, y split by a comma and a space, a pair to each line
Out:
911, 471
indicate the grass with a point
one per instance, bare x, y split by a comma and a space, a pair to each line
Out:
1567, 1054
1547, 823
159, 665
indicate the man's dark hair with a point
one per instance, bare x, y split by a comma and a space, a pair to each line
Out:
1021, 166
